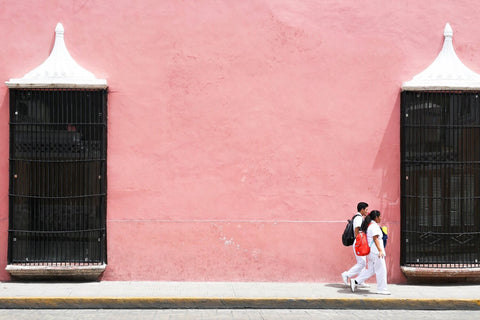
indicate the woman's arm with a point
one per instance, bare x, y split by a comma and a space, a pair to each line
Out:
381, 254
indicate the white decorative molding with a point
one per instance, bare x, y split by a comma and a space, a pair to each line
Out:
447, 72
59, 70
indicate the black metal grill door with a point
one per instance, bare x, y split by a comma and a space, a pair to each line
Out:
57, 197
440, 179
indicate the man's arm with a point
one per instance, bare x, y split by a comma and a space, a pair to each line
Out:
358, 223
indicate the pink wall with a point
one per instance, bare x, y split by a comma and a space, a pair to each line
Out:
241, 133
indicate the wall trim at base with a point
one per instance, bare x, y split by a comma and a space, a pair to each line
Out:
438, 273
86, 273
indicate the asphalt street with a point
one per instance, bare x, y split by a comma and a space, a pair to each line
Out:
245, 314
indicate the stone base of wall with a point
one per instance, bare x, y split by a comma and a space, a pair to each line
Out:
439, 274
55, 272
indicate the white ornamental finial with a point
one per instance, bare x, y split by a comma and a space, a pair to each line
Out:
59, 29
447, 72
59, 70
448, 32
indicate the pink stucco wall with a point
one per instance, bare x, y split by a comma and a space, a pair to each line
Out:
241, 133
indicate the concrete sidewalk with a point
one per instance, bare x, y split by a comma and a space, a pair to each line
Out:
232, 295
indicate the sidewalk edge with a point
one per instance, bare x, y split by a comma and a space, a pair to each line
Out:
235, 303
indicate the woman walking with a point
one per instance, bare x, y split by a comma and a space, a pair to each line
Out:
376, 257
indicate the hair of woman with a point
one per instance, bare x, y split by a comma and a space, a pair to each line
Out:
371, 217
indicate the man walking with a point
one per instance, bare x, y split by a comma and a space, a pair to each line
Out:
362, 212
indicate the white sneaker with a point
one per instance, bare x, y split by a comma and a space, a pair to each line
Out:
345, 278
385, 292
363, 285
352, 284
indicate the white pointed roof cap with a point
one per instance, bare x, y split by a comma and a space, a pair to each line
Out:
447, 72
59, 70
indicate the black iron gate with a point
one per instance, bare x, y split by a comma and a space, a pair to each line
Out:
57, 192
440, 179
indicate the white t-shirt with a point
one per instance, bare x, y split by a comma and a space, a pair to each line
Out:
357, 221
374, 230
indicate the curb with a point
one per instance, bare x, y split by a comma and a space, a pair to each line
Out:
235, 303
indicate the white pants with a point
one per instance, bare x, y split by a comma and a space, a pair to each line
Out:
378, 267
358, 267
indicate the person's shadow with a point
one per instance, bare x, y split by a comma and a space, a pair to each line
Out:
344, 289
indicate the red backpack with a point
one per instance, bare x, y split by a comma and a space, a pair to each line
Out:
361, 244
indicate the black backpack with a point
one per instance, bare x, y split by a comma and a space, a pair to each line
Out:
348, 235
